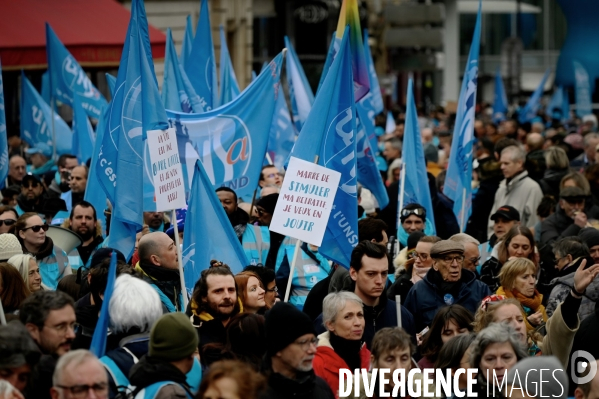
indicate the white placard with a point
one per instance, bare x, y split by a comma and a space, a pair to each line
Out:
305, 201
169, 186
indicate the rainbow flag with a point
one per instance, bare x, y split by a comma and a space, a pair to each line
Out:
350, 15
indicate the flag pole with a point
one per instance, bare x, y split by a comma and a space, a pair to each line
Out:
53, 129
253, 201
462, 216
180, 256
402, 188
398, 309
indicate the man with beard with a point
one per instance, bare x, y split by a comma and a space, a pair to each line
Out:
159, 265
213, 303
155, 221
83, 221
49, 316
32, 196
239, 219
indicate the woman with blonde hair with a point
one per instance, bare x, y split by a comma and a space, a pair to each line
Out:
518, 280
29, 270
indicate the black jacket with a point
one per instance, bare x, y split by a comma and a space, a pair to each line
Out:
167, 281
40, 381
149, 371
402, 285
550, 181
557, 226
306, 386
446, 223
482, 202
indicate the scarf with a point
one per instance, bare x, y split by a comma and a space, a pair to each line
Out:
418, 273
348, 350
530, 305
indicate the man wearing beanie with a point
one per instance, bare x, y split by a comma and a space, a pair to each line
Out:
537, 377
569, 218
161, 374
590, 236
291, 341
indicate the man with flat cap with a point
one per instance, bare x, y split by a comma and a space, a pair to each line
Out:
569, 218
446, 283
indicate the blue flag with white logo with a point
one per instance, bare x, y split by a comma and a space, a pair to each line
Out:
300, 92
375, 88
416, 188
200, 65
94, 194
584, 90
67, 77
500, 99
187, 41
98, 345
458, 183
3, 138
84, 137
231, 140
529, 112
177, 92
208, 232
36, 121
229, 89
111, 80
282, 133
330, 133
135, 109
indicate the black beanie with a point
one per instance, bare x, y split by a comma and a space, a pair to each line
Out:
268, 202
284, 324
105, 253
414, 238
589, 236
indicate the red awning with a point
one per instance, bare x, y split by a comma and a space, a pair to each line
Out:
93, 31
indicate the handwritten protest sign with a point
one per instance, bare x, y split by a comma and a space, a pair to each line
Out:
305, 201
166, 170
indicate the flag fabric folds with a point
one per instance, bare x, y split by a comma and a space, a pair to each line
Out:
187, 42
458, 183
330, 133
208, 232
67, 77
98, 345
584, 89
328, 61
390, 125
415, 185
300, 92
136, 107
529, 112
94, 194
200, 64
229, 89
282, 133
375, 88
3, 138
177, 92
36, 121
83, 134
111, 80
499, 100
231, 140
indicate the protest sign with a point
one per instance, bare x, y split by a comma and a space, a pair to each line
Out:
305, 201
166, 170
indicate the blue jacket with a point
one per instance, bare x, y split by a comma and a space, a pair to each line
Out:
425, 297
256, 243
53, 263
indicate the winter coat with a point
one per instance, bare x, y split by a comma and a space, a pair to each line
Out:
53, 263
489, 273
166, 283
522, 193
559, 338
446, 223
556, 226
426, 298
149, 371
40, 381
482, 201
306, 385
402, 285
327, 362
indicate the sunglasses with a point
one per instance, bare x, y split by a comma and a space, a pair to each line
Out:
418, 212
32, 184
36, 229
7, 222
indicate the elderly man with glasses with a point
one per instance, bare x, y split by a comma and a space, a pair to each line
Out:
79, 374
446, 283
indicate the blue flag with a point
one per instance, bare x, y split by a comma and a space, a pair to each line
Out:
555, 108
187, 42
111, 80
390, 125
375, 88
98, 345
300, 92
135, 109
177, 92
229, 89
46, 87
3, 138
458, 183
367, 113
500, 99
200, 65
231, 141
565, 105
94, 194
208, 232
282, 133
67, 77
36, 121
330, 133
529, 112
84, 137
584, 103
328, 61
415, 187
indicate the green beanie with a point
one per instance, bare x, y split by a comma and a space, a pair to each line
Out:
173, 338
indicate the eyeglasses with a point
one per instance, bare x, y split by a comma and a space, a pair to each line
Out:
423, 257
450, 259
36, 229
273, 175
558, 259
418, 212
81, 391
273, 290
7, 222
64, 327
260, 211
474, 261
32, 184
307, 343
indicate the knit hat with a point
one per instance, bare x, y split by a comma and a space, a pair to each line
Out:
445, 247
413, 239
105, 253
172, 338
284, 324
590, 236
268, 203
9, 246
529, 369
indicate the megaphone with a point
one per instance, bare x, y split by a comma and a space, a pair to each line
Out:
65, 239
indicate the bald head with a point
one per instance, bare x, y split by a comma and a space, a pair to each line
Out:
17, 168
158, 249
534, 141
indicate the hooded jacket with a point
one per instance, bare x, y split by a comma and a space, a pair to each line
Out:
426, 296
149, 371
306, 385
166, 282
